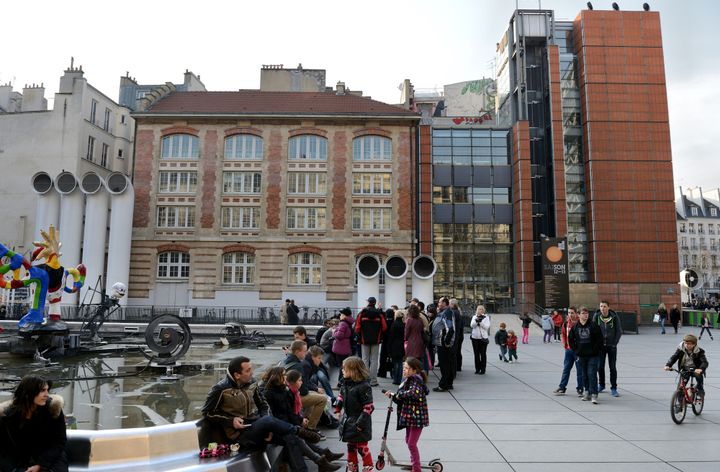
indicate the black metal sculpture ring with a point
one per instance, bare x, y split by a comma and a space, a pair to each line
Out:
168, 337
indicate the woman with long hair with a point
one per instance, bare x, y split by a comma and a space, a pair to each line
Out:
32, 429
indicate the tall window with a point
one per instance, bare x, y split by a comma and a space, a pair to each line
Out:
308, 147
173, 265
243, 146
372, 183
103, 155
306, 218
694, 211
312, 183
240, 217
175, 216
372, 148
713, 211
371, 219
180, 146
241, 182
106, 121
238, 268
305, 269
90, 149
93, 111
178, 182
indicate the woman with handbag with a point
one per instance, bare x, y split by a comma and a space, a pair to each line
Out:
663, 316
480, 338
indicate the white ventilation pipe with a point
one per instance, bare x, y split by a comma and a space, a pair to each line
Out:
396, 269
72, 203
47, 211
368, 284
122, 201
95, 235
423, 271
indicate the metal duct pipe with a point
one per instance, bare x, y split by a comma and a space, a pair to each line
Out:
423, 271
368, 284
95, 235
47, 211
122, 201
72, 203
396, 269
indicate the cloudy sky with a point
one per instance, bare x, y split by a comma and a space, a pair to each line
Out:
371, 45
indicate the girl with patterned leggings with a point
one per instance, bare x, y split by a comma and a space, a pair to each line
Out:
356, 403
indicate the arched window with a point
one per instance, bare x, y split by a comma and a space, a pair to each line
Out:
238, 268
243, 146
173, 265
305, 268
308, 146
372, 148
180, 146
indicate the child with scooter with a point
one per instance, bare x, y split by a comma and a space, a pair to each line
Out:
412, 415
356, 403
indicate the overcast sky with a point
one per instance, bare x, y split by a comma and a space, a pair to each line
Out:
371, 45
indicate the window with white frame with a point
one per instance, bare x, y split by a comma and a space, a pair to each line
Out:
90, 155
175, 216
240, 217
104, 155
372, 148
106, 121
243, 146
173, 265
241, 182
371, 219
93, 111
304, 269
713, 211
694, 211
306, 218
372, 183
238, 268
178, 182
180, 146
307, 183
307, 146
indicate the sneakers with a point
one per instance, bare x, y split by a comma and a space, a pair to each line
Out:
374, 383
309, 435
586, 397
580, 393
614, 392
594, 399
439, 389
559, 391
601, 389
500, 356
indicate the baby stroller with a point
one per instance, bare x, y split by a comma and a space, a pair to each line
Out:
435, 465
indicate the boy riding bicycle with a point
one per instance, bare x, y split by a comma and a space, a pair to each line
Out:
691, 361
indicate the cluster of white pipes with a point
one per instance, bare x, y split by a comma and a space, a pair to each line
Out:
396, 268
64, 201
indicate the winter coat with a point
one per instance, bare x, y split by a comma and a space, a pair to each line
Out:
480, 327
37, 441
355, 399
546, 322
674, 315
565, 332
663, 314
413, 336
526, 320
343, 333
396, 340
557, 320
698, 357
611, 330
586, 340
512, 342
370, 325
501, 337
411, 399
281, 400
705, 321
293, 314
443, 328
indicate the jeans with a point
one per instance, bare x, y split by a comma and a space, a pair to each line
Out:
705, 328
324, 382
662, 325
447, 366
503, 352
547, 337
412, 436
570, 360
370, 354
611, 352
397, 368
556, 333
284, 434
480, 353
588, 367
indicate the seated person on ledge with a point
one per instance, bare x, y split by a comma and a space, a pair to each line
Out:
235, 412
691, 360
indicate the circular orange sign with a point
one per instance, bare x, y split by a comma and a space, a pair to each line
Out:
554, 254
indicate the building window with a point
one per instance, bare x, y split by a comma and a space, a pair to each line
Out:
122, 119
240, 217
308, 183
691, 228
683, 241
305, 269
238, 268
372, 148
90, 149
243, 146
173, 265
372, 184
308, 147
176, 216
106, 120
104, 155
682, 227
694, 211
371, 219
93, 111
306, 218
701, 228
713, 211
140, 94
120, 154
180, 146
178, 182
241, 182
686, 260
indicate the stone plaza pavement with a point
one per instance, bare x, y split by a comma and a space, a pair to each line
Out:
509, 419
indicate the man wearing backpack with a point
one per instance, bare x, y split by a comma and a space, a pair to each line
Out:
370, 327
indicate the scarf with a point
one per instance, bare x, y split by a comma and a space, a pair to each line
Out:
297, 405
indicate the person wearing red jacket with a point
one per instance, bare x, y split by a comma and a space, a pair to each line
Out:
370, 327
557, 319
512, 346
570, 358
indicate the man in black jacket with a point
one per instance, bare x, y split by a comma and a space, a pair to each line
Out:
313, 400
609, 324
370, 327
586, 341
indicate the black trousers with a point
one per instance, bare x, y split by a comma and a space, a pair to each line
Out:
446, 359
480, 353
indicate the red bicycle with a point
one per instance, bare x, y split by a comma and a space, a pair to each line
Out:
685, 393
